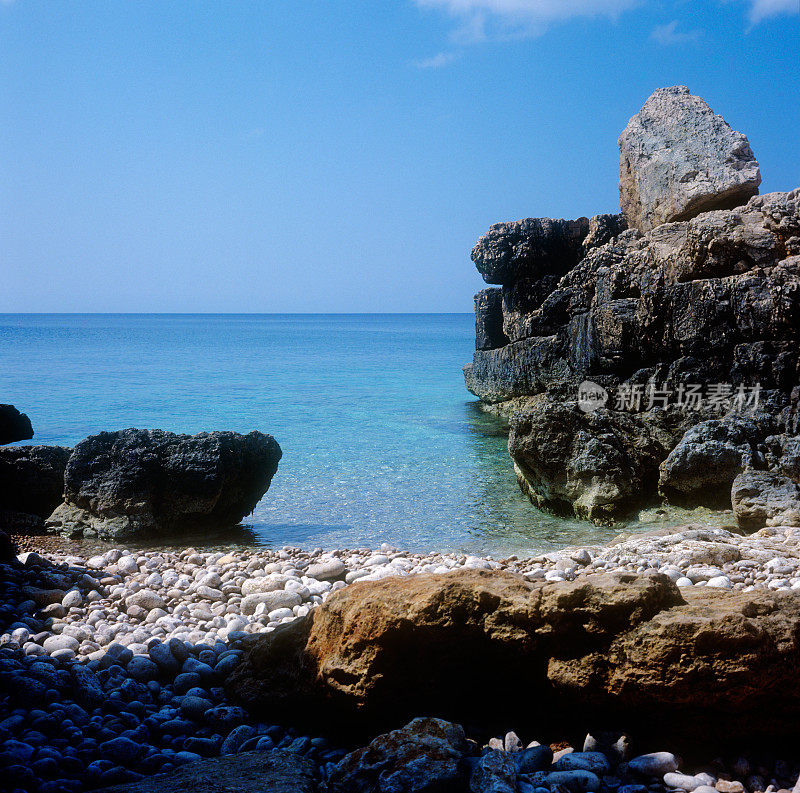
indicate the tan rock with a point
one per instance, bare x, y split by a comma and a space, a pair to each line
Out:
494, 646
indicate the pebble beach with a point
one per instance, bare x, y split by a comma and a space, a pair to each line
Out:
116, 662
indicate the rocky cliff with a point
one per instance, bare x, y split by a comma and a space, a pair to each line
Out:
680, 317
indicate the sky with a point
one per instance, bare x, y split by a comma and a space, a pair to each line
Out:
340, 155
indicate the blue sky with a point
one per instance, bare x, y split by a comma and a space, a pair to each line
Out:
340, 156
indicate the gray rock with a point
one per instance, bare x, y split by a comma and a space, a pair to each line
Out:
14, 426
32, 478
330, 570
678, 159
72, 599
529, 248
710, 455
134, 481
128, 565
272, 600
597, 465
494, 772
684, 781
603, 229
54, 643
145, 599
765, 498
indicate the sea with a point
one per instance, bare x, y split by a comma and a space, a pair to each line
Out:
381, 441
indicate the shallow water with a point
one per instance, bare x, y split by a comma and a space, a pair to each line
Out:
381, 441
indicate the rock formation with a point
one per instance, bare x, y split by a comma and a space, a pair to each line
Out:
494, 647
678, 159
32, 478
151, 481
14, 426
679, 322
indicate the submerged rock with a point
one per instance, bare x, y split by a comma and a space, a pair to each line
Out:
678, 159
14, 426
151, 481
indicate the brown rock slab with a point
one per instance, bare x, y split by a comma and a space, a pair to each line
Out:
495, 648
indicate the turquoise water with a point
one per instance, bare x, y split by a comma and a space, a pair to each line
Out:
381, 442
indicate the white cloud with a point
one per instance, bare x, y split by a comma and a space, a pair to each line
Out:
763, 9
668, 35
483, 19
437, 61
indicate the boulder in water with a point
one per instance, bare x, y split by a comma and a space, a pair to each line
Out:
14, 426
151, 481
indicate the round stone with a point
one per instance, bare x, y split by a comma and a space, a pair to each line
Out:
72, 599
54, 643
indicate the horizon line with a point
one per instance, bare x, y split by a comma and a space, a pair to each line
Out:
222, 313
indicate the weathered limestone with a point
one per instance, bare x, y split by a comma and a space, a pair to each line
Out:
678, 159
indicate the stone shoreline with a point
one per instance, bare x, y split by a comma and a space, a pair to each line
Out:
116, 663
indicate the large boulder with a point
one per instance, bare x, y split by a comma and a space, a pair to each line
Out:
275, 771
678, 159
765, 498
494, 648
152, 481
14, 426
32, 478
